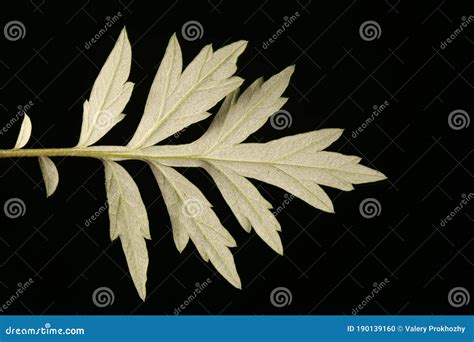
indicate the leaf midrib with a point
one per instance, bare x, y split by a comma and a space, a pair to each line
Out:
198, 223
185, 96
109, 87
128, 232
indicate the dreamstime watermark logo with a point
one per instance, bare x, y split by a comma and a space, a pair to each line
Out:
47, 329
179, 133
280, 297
370, 30
103, 296
21, 288
457, 32
458, 119
104, 119
288, 21
462, 204
103, 208
281, 119
192, 207
377, 110
192, 30
377, 287
110, 21
21, 110
284, 204
459, 296
14, 208
14, 30
199, 287
369, 208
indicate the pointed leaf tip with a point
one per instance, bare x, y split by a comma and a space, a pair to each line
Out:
291, 68
382, 175
244, 43
238, 285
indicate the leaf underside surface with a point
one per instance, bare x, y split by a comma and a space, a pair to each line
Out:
179, 97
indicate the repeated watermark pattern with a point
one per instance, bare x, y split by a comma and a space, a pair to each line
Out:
457, 209
192, 30
287, 22
179, 133
459, 296
370, 30
458, 119
377, 288
104, 119
103, 296
192, 207
396, 55
14, 30
377, 110
288, 198
102, 209
110, 21
198, 289
457, 32
370, 208
21, 288
14, 208
280, 297
281, 120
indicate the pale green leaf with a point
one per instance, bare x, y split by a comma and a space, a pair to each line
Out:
240, 116
177, 99
25, 132
192, 217
128, 221
297, 165
109, 95
50, 175
247, 204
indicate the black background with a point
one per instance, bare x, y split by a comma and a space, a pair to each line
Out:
331, 261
